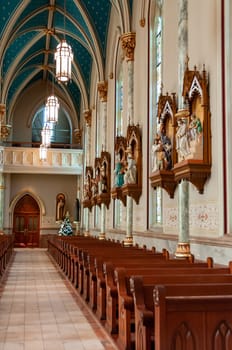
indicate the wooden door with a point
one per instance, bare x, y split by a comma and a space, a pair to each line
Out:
26, 222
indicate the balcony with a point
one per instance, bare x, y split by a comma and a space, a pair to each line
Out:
25, 159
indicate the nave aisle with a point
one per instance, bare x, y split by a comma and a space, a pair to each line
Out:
40, 310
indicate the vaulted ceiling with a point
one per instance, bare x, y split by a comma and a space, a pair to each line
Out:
30, 30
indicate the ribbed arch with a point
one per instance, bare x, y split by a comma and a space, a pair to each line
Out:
95, 41
14, 34
8, 30
126, 16
94, 51
12, 72
63, 88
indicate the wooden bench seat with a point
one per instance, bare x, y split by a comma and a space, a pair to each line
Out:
119, 296
85, 261
195, 317
6, 250
88, 266
142, 288
73, 248
106, 285
102, 271
98, 276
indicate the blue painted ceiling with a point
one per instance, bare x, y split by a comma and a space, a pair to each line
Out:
30, 30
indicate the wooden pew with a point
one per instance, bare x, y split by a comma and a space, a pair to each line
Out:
95, 287
105, 272
119, 296
6, 250
115, 284
67, 253
88, 264
142, 288
71, 255
70, 250
193, 317
88, 255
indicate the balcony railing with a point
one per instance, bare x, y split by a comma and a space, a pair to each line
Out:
37, 144
26, 159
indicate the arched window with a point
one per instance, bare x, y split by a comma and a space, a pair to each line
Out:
156, 31
118, 207
61, 133
228, 115
119, 102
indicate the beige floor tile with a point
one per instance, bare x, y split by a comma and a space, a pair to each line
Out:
39, 309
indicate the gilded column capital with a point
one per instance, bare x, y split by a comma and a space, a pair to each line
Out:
78, 135
102, 87
128, 45
88, 117
4, 128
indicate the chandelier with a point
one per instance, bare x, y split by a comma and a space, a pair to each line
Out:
43, 152
63, 57
51, 109
46, 135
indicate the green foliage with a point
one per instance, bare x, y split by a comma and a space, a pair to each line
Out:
66, 228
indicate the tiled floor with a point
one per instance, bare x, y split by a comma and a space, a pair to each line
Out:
39, 310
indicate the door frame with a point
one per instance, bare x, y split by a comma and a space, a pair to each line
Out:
19, 197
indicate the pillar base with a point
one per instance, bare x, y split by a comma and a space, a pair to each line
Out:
86, 233
128, 242
183, 250
102, 236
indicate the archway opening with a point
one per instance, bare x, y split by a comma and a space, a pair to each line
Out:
26, 222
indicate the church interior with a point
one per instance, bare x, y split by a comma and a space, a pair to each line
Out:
115, 177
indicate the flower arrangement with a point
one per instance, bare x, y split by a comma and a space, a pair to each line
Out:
66, 227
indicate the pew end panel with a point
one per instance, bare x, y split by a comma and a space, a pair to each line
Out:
193, 320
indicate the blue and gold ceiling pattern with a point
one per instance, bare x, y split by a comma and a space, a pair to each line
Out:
30, 30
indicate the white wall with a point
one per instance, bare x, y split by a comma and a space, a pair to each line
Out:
45, 188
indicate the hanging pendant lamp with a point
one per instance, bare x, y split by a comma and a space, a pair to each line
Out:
46, 135
51, 109
63, 57
43, 152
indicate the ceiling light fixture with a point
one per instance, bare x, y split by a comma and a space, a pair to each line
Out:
51, 109
63, 58
46, 135
43, 152
52, 106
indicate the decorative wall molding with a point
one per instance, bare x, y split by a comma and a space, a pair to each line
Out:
171, 217
203, 217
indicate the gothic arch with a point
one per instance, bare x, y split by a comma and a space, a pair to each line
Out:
19, 196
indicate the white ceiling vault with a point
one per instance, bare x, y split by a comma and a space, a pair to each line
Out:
30, 30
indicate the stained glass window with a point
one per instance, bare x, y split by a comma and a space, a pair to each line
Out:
155, 88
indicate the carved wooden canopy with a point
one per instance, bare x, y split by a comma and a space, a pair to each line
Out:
196, 165
163, 154
87, 191
128, 165
120, 147
189, 131
134, 154
101, 183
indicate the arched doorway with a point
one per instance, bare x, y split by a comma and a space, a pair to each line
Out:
26, 221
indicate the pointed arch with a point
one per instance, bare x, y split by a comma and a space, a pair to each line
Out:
20, 195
